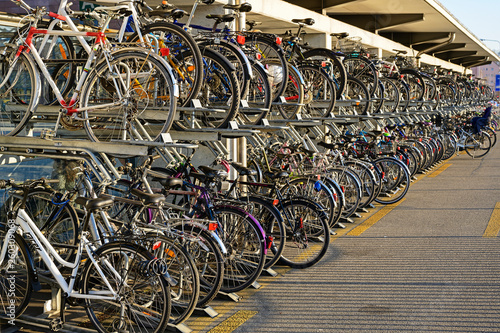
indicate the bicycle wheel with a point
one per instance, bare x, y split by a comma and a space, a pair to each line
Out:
391, 96
477, 145
351, 187
219, 95
416, 86
363, 69
245, 246
271, 221
367, 179
333, 66
58, 221
259, 96
187, 66
320, 94
19, 94
15, 278
307, 186
493, 135
183, 274
395, 180
144, 303
356, 90
58, 55
141, 88
236, 57
308, 235
207, 255
293, 94
272, 57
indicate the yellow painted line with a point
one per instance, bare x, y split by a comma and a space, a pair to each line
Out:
373, 219
233, 322
438, 171
493, 226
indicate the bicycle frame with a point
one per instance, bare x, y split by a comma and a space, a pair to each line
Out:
46, 251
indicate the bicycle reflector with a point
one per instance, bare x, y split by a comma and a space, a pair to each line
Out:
156, 245
240, 39
317, 186
212, 226
164, 51
279, 40
276, 202
270, 240
258, 56
323, 64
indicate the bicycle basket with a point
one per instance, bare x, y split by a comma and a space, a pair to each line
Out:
384, 148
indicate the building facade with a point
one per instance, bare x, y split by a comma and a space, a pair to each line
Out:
488, 73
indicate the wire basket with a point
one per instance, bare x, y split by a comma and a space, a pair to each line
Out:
350, 44
385, 148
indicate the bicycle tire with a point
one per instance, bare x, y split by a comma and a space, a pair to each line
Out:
479, 146
18, 268
339, 74
320, 94
250, 254
310, 224
14, 115
363, 69
178, 41
259, 96
62, 231
272, 58
182, 269
220, 91
236, 57
356, 90
128, 258
51, 59
293, 94
395, 180
144, 115
271, 221
208, 259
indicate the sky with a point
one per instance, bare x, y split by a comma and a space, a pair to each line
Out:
481, 17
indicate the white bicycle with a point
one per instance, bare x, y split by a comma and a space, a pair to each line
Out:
122, 286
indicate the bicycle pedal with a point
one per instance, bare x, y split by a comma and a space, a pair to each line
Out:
47, 134
56, 324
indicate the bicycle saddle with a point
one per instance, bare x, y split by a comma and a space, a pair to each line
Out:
340, 35
208, 2
175, 13
221, 18
326, 145
306, 21
253, 23
213, 173
243, 171
277, 175
95, 204
148, 198
400, 51
242, 8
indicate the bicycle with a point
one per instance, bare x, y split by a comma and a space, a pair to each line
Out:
108, 278
128, 94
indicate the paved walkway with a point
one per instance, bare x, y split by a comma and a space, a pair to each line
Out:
426, 266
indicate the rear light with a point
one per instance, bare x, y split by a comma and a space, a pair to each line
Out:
164, 51
279, 40
170, 253
190, 68
270, 240
258, 56
156, 245
301, 223
323, 64
276, 202
212, 226
240, 39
